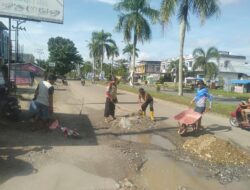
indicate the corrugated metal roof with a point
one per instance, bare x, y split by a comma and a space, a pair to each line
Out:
240, 81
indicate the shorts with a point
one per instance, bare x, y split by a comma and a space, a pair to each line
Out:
145, 105
247, 111
42, 111
200, 109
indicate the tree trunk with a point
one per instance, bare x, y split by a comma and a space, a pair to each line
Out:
133, 65
112, 61
93, 79
102, 57
182, 40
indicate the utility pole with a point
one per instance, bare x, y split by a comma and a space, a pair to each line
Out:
17, 28
40, 52
10, 51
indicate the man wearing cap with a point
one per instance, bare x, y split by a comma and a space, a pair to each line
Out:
200, 99
44, 99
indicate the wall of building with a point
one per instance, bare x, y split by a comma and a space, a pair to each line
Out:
148, 67
227, 63
235, 64
227, 77
153, 69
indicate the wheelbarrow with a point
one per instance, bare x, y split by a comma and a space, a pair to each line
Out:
187, 118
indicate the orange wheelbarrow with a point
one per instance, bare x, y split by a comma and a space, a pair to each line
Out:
187, 118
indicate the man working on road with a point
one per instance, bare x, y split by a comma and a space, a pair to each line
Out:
111, 99
200, 100
148, 100
44, 99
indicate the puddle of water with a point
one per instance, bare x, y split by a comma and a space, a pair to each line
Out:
160, 172
150, 139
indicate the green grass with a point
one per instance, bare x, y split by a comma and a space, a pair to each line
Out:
220, 108
218, 92
243, 96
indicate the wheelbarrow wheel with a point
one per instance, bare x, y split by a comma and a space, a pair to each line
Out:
182, 130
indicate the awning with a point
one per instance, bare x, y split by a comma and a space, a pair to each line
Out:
236, 81
30, 68
27, 67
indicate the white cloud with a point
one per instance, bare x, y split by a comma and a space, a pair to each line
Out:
37, 35
144, 56
206, 42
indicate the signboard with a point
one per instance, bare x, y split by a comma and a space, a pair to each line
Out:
52, 64
239, 89
39, 10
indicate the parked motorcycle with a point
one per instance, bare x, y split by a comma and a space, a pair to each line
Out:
236, 119
9, 106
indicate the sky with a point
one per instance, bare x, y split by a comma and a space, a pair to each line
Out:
229, 32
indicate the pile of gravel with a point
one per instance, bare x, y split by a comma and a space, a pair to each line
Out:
133, 122
216, 150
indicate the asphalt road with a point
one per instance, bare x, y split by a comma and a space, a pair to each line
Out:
93, 96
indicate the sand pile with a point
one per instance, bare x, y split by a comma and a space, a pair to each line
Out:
133, 122
216, 150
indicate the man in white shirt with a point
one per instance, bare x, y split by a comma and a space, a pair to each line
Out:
44, 99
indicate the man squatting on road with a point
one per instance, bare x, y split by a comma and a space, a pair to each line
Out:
44, 99
148, 100
111, 99
200, 100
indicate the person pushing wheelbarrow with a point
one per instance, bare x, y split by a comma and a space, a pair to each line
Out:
148, 100
200, 99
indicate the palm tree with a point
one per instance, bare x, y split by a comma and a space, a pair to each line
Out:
173, 68
132, 22
202, 8
203, 61
104, 41
113, 52
129, 50
94, 53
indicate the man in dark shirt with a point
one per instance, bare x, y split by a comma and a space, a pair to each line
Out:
148, 100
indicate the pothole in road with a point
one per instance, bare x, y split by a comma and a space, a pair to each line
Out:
150, 139
161, 172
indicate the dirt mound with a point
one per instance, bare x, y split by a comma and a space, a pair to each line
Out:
216, 150
133, 122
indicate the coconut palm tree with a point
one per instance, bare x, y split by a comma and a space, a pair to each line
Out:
93, 49
129, 50
173, 68
94, 53
133, 22
104, 41
203, 61
202, 8
113, 52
